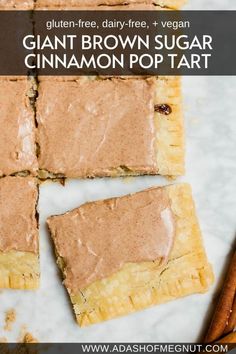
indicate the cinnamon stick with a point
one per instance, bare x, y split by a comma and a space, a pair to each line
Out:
230, 338
224, 307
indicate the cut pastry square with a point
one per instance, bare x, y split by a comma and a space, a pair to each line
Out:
124, 254
172, 4
16, 4
17, 134
114, 127
19, 256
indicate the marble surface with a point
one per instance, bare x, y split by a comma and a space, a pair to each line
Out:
211, 170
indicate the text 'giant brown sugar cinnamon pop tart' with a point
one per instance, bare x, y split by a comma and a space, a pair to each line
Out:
114, 127
19, 253
124, 254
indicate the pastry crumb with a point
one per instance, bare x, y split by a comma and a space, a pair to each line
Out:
128, 179
10, 317
29, 338
170, 178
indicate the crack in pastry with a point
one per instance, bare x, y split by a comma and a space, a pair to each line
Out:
156, 266
170, 140
19, 254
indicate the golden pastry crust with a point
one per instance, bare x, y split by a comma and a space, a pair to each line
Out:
19, 255
170, 128
140, 285
19, 270
170, 147
16, 4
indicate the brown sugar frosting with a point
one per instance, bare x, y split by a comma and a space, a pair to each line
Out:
98, 238
93, 127
17, 140
18, 224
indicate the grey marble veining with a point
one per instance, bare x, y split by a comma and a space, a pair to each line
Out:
211, 154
